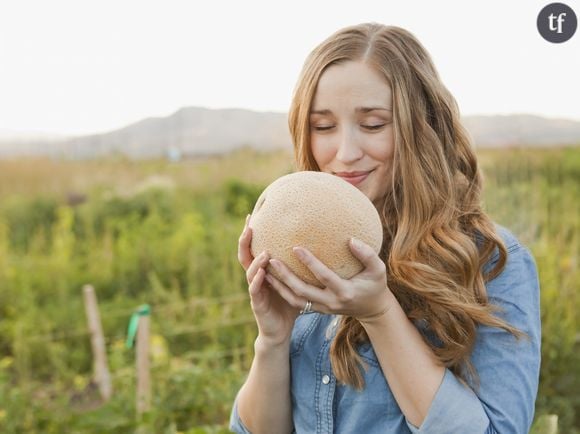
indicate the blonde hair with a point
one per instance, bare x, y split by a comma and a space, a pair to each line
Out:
436, 236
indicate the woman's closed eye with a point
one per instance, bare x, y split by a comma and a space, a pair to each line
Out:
329, 127
373, 127
323, 128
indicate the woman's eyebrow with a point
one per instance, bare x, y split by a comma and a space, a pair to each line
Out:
357, 109
320, 112
370, 109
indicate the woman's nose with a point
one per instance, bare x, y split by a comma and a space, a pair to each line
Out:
348, 146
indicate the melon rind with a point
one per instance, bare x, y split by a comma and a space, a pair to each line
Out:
320, 212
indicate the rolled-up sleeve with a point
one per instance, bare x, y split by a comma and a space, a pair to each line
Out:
508, 368
236, 424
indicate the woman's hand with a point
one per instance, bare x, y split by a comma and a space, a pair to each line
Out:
364, 296
274, 316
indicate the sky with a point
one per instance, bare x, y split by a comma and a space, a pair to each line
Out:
78, 67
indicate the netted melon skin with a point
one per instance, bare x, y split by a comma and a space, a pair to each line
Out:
318, 211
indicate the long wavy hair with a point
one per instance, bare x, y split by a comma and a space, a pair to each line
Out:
437, 239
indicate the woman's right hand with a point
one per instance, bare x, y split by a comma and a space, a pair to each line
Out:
274, 316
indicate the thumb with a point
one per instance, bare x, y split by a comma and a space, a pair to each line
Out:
365, 253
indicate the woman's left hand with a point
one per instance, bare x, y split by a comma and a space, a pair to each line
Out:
364, 296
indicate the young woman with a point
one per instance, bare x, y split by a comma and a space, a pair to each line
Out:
440, 333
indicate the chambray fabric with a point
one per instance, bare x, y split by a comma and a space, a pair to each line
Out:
508, 370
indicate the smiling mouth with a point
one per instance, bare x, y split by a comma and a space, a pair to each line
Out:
354, 179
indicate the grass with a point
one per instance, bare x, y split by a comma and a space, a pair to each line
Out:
166, 234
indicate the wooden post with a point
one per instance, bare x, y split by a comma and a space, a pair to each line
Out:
143, 380
100, 369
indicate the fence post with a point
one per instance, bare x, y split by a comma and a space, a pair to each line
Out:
143, 376
101, 371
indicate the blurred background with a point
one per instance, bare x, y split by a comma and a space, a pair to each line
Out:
136, 136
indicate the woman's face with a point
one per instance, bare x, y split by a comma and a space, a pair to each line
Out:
351, 127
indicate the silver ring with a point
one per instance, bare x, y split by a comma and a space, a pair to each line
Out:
307, 308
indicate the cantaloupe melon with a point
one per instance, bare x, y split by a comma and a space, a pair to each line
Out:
320, 212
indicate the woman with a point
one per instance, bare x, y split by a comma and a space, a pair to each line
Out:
440, 333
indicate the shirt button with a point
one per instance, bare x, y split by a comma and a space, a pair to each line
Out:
325, 379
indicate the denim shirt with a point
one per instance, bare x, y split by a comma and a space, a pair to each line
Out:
508, 370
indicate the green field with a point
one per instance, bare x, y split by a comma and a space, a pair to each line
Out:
166, 234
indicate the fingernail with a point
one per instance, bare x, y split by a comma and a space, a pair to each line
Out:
247, 220
357, 243
299, 252
275, 264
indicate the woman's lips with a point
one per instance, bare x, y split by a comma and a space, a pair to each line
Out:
355, 180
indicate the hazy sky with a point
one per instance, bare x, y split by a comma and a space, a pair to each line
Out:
76, 67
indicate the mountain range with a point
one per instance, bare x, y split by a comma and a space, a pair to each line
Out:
198, 131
